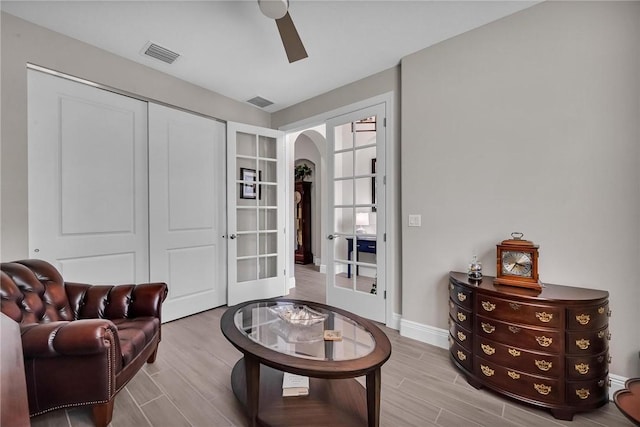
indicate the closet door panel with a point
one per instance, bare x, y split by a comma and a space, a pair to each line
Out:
87, 154
187, 205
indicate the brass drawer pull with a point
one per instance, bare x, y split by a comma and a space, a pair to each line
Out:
451, 305
542, 388
487, 371
514, 306
514, 352
600, 359
488, 328
543, 365
450, 341
544, 316
461, 297
608, 336
583, 344
582, 368
600, 310
488, 306
544, 341
514, 329
583, 393
513, 375
461, 336
461, 317
583, 319
461, 355
601, 334
609, 313
488, 349
451, 286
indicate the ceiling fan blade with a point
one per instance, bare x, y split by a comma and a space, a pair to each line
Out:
290, 39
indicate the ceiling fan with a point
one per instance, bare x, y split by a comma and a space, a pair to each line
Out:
279, 10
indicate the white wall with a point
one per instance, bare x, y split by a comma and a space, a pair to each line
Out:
528, 124
22, 43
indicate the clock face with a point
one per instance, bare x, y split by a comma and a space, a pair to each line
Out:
517, 263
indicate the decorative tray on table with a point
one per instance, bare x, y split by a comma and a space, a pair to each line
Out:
298, 315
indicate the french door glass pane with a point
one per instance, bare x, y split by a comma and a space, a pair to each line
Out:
343, 164
246, 145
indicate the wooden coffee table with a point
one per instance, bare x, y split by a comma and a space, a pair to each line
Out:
272, 345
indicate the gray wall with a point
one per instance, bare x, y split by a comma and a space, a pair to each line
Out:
530, 124
23, 43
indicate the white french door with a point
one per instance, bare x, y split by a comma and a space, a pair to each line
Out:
255, 213
187, 204
87, 156
355, 213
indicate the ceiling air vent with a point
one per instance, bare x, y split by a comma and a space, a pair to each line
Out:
260, 102
158, 52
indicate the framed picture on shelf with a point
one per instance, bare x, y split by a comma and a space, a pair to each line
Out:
248, 186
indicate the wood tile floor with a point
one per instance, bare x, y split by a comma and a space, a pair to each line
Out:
189, 385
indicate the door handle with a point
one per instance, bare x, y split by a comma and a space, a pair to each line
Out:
232, 236
331, 236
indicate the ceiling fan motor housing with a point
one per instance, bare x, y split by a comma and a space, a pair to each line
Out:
274, 9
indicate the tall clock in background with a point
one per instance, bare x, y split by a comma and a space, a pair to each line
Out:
517, 263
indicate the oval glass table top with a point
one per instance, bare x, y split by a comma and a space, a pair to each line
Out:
298, 329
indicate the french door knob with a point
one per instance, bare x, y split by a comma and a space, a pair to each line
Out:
232, 236
331, 236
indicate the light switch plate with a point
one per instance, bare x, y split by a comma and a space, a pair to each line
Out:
415, 220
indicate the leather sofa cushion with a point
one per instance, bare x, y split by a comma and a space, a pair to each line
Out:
134, 334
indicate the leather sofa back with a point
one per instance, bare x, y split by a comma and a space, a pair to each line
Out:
33, 291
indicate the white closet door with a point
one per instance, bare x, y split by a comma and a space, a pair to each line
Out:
87, 157
187, 204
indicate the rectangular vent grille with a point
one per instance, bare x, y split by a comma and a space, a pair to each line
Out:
260, 102
161, 53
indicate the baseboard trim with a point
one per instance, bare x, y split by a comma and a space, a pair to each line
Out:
292, 282
440, 338
424, 333
394, 322
617, 383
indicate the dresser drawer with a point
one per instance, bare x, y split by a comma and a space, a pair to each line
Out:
534, 363
461, 316
587, 367
463, 336
523, 337
514, 311
518, 382
461, 354
461, 295
587, 342
589, 317
587, 393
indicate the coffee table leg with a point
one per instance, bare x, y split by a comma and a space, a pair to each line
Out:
252, 370
374, 379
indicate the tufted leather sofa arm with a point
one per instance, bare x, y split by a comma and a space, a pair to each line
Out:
63, 338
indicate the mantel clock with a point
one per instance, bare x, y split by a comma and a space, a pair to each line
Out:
517, 263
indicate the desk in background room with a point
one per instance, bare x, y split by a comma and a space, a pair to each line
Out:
364, 244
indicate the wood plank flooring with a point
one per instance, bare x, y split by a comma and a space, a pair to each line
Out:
189, 384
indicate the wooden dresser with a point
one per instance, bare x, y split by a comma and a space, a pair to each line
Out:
549, 348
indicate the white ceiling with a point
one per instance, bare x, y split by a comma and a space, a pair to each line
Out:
231, 48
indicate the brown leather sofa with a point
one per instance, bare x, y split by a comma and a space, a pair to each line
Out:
82, 343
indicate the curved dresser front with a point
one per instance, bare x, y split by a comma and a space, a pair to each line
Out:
548, 348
